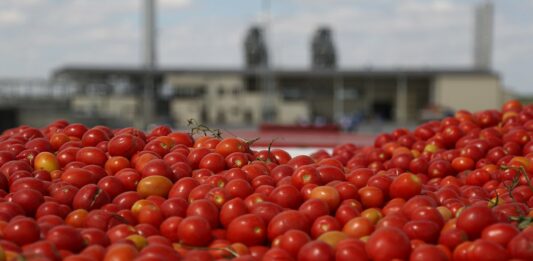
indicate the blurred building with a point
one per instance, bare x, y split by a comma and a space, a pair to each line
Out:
254, 94
233, 96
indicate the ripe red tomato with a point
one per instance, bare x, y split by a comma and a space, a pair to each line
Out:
90, 197
316, 250
195, 231
21, 231
206, 209
286, 196
351, 249
324, 224
66, 238
405, 186
286, 220
519, 246
305, 175
474, 219
248, 229
91, 155
157, 167
266, 210
388, 244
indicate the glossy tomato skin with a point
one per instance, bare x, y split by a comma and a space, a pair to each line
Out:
66, 237
286, 196
405, 186
91, 155
500, 233
474, 219
90, 197
194, 231
206, 209
520, 245
314, 208
324, 224
293, 240
248, 229
388, 244
286, 220
428, 252
266, 210
351, 249
315, 250
22, 231
487, 250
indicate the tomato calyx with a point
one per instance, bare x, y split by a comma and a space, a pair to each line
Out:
523, 221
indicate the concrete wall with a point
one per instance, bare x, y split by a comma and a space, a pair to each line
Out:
293, 112
470, 92
121, 107
182, 110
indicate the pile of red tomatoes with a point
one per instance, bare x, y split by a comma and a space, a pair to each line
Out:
455, 189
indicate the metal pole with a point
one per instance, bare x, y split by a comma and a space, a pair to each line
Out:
149, 62
338, 97
268, 81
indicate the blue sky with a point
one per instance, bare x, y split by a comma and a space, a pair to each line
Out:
39, 36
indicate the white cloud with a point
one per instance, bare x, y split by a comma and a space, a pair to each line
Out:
11, 17
165, 4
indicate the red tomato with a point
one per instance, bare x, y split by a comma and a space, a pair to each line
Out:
487, 250
21, 231
500, 233
195, 231
474, 219
388, 244
248, 229
66, 237
314, 208
324, 224
428, 252
316, 250
351, 249
205, 209
405, 186
519, 246
91, 155
286, 196
266, 210
286, 220
293, 240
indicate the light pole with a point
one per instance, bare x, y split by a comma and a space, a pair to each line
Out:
149, 62
268, 83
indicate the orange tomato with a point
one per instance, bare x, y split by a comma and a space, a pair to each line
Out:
154, 185
46, 161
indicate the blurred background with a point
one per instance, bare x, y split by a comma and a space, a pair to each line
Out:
335, 65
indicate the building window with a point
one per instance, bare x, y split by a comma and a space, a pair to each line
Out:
236, 91
292, 93
189, 91
221, 91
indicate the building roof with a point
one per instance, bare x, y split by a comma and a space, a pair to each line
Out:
306, 72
